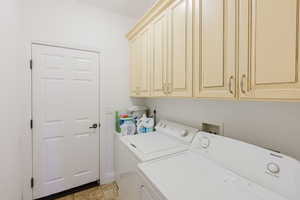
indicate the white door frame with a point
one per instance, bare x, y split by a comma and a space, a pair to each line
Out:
27, 144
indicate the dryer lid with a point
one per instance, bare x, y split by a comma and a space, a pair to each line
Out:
154, 143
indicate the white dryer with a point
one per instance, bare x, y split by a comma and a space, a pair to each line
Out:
219, 168
169, 138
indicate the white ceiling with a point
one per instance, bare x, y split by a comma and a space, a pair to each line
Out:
130, 8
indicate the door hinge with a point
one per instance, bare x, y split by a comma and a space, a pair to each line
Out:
31, 124
31, 64
32, 182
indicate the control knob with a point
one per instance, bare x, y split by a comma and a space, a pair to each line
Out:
184, 133
273, 168
205, 142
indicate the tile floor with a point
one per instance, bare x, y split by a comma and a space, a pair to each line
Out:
103, 192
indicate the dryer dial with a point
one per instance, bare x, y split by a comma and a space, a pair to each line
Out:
184, 133
273, 168
205, 142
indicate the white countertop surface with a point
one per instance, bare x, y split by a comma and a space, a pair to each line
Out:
190, 176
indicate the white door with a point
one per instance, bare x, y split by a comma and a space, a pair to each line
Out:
65, 92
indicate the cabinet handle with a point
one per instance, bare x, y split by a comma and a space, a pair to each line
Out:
165, 88
242, 84
230, 84
170, 88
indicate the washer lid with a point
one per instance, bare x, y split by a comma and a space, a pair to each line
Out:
274, 171
153, 143
190, 176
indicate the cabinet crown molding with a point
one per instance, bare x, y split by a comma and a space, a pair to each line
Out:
156, 9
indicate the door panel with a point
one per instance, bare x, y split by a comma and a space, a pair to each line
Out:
134, 56
214, 49
274, 42
159, 69
213, 43
269, 49
145, 62
65, 105
141, 63
85, 141
51, 162
180, 49
52, 142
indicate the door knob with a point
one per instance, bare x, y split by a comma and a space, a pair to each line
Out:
94, 126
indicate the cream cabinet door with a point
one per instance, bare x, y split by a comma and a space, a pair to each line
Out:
141, 62
134, 60
160, 51
145, 62
215, 48
269, 50
180, 49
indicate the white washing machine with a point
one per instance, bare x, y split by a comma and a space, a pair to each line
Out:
219, 168
169, 138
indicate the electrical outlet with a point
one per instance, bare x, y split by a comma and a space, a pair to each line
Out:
213, 128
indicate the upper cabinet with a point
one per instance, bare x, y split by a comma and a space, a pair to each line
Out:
215, 48
269, 50
221, 49
180, 49
171, 46
172, 41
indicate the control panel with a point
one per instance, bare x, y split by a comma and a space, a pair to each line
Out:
180, 131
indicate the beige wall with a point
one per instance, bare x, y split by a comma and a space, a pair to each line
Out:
268, 124
10, 99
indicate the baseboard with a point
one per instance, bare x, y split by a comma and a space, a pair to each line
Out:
107, 178
70, 191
